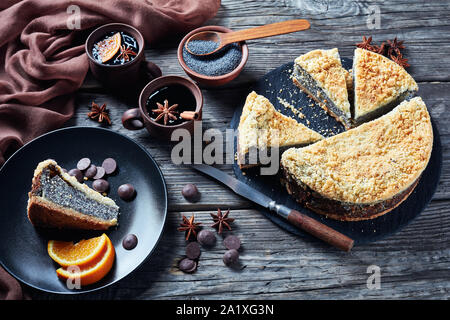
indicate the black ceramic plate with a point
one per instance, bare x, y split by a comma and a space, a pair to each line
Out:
23, 248
277, 85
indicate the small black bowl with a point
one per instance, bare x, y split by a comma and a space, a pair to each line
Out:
115, 76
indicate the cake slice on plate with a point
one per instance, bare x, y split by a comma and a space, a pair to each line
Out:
364, 172
380, 84
58, 200
320, 74
261, 127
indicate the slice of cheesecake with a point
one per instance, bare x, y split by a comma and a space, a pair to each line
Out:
261, 127
380, 84
364, 172
58, 200
320, 74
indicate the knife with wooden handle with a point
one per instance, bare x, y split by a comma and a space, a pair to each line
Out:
298, 219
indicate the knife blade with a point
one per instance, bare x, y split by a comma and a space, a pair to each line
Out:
298, 219
234, 184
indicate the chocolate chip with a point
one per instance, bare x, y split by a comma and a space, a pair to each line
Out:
77, 174
130, 241
110, 165
232, 242
190, 192
230, 257
193, 250
90, 172
83, 164
100, 185
126, 191
206, 238
187, 265
100, 173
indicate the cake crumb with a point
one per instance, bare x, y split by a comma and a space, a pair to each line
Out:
295, 110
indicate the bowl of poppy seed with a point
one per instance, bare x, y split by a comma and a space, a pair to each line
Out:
166, 104
115, 53
214, 69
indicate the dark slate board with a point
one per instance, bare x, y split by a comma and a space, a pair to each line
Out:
278, 84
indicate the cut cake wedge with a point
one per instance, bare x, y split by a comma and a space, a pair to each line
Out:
261, 127
320, 74
58, 200
379, 83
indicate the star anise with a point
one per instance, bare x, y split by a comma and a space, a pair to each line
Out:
395, 47
166, 112
366, 44
99, 113
391, 49
221, 220
125, 53
189, 226
380, 49
400, 60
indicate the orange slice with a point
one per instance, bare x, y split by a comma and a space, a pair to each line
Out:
79, 254
109, 47
93, 272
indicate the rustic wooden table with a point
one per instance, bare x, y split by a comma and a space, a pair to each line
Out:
415, 262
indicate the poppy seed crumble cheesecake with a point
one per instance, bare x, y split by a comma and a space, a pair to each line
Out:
261, 127
379, 83
58, 200
319, 73
364, 172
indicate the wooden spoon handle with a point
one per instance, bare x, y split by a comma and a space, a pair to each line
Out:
268, 30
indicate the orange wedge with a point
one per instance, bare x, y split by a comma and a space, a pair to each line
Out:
95, 271
80, 254
109, 47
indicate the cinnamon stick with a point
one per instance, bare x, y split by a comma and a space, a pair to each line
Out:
189, 115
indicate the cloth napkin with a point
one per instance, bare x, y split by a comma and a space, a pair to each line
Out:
42, 61
10, 288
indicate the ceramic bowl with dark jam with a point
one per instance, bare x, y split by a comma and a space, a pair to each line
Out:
166, 104
115, 53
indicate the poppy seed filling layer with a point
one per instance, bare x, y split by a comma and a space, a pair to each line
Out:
57, 190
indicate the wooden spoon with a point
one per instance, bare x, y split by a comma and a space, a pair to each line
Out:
268, 30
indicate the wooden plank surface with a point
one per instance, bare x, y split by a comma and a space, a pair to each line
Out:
275, 264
